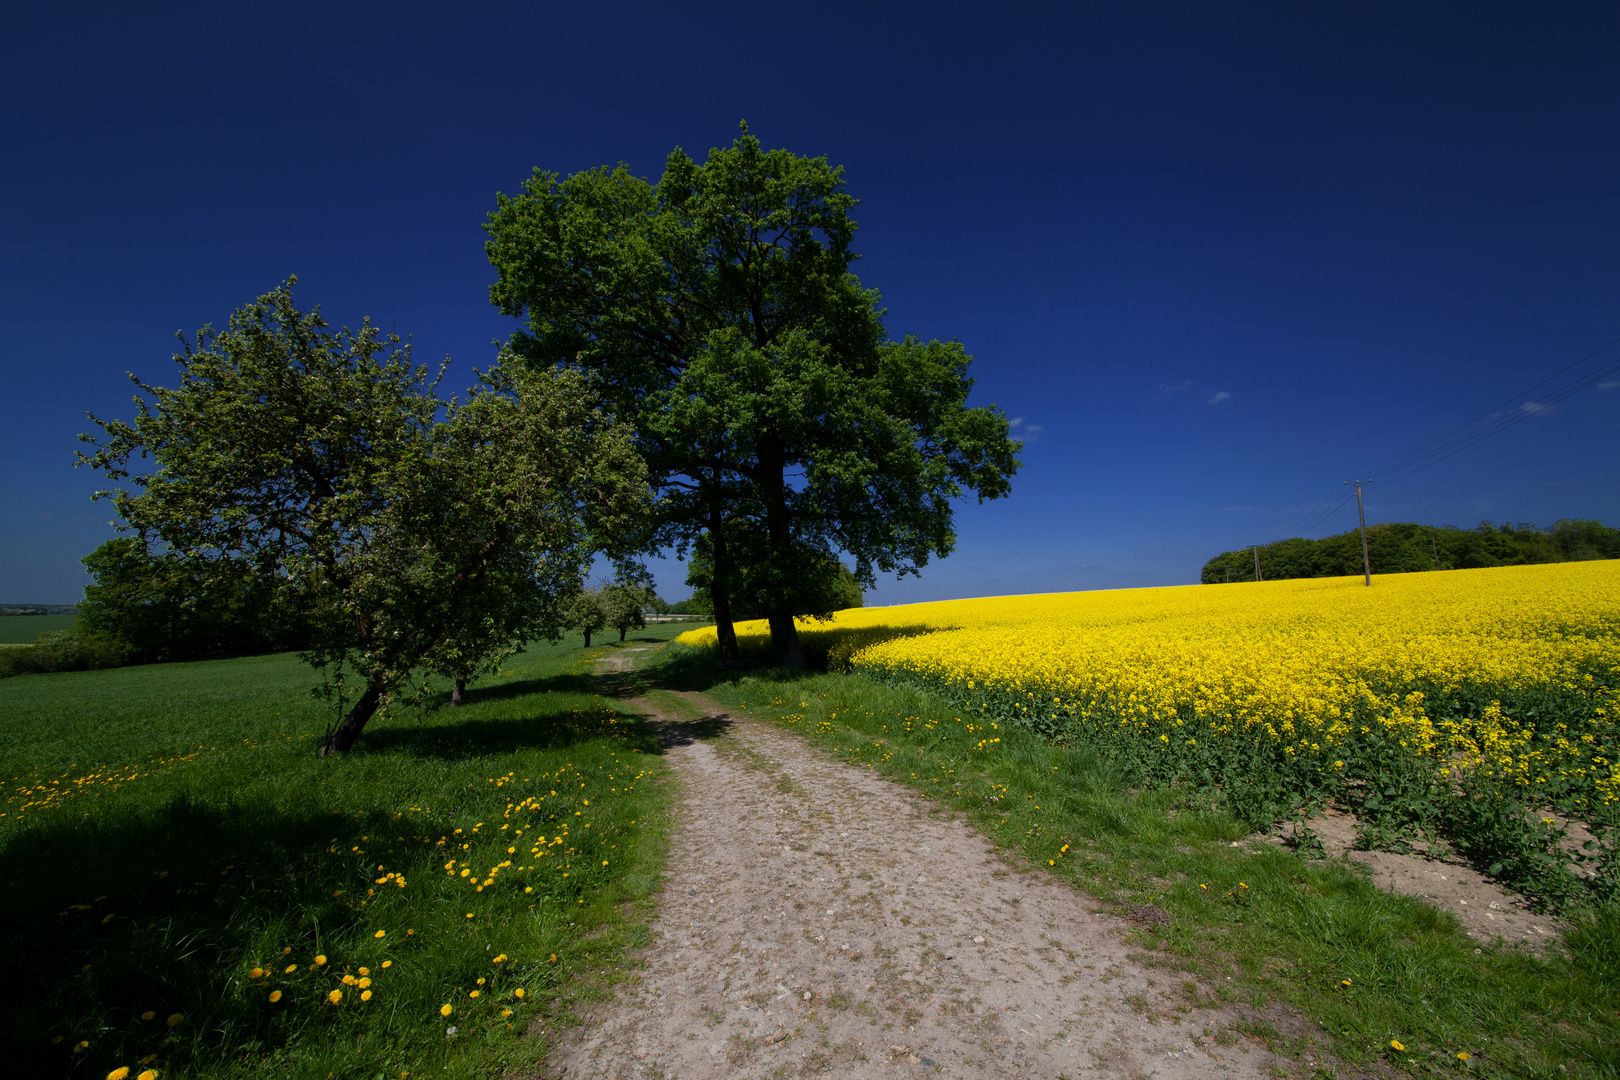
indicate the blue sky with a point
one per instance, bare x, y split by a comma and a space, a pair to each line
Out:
1216, 258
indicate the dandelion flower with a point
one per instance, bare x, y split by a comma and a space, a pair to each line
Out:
149, 1074
519, 992
174, 1018
1397, 1044
501, 959
348, 980
256, 973
320, 960
480, 982
275, 996
118, 1073
148, 1015
506, 1012
335, 996
388, 963
365, 995
473, 994
444, 1010
363, 983
290, 968
1344, 982
1463, 1055
380, 933
365, 971
83, 1044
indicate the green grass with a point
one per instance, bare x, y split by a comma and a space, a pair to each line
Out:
168, 830
25, 629
1259, 924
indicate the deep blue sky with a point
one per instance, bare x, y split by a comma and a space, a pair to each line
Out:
1216, 257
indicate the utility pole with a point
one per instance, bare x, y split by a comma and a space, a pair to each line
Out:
1436, 548
1366, 560
1257, 562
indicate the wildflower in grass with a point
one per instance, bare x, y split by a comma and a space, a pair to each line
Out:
118, 1073
362, 983
289, 969
444, 1010
473, 994
380, 933
387, 963
501, 959
275, 996
1344, 982
520, 992
1463, 1055
148, 1015
256, 973
84, 1044
149, 1074
480, 982
365, 995
335, 996
320, 961
365, 971
506, 1012
1397, 1044
174, 1018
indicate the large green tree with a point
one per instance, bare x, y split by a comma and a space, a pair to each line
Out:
716, 312
410, 533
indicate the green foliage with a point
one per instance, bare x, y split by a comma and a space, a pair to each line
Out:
815, 586
314, 465
170, 829
717, 313
1283, 928
1407, 548
61, 650
37, 609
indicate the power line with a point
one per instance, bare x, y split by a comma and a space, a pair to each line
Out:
1520, 406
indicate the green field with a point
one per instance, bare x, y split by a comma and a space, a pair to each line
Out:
189, 888
25, 629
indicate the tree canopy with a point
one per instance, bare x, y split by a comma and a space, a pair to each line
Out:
1399, 548
715, 311
407, 532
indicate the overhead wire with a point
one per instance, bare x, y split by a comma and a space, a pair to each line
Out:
1520, 407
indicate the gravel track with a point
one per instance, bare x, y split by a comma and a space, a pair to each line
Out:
819, 920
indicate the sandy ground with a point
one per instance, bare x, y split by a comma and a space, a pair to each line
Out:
817, 919
1487, 911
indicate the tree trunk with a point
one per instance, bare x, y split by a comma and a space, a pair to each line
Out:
456, 694
587, 639
779, 533
621, 633
342, 739
724, 628
785, 639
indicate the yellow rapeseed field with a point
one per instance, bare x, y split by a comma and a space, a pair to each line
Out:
1506, 675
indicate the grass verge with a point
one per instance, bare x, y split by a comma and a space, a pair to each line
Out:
189, 889
1392, 981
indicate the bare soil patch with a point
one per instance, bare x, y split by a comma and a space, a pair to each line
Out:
817, 919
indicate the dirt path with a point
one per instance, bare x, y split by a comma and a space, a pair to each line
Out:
818, 919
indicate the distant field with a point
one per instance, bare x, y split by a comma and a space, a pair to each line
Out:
25, 629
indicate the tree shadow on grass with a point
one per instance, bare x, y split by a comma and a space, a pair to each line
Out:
459, 741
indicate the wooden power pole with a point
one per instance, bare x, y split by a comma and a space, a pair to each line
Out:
1366, 560
1257, 562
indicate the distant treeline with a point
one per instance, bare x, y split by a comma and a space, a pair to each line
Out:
37, 609
1405, 548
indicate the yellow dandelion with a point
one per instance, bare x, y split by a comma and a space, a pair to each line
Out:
1397, 1044
118, 1073
83, 1045
473, 994
363, 983
1463, 1055
380, 933
480, 982
174, 1018
1344, 982
149, 1074
501, 959
335, 996
444, 1010
256, 973
388, 963
365, 995
506, 1012
520, 992
320, 961
289, 969
148, 1015
365, 971
348, 980
275, 996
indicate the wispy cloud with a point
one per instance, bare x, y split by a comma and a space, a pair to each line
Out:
1027, 432
1609, 385
1536, 408
1220, 396
1175, 387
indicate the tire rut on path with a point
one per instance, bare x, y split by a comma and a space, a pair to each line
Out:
819, 920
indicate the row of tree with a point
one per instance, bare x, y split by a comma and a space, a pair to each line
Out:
697, 369
1405, 548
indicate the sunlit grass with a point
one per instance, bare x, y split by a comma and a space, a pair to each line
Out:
173, 850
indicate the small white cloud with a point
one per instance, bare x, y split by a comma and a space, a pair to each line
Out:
1176, 387
1535, 408
1031, 433
1609, 385
1015, 421
1219, 397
